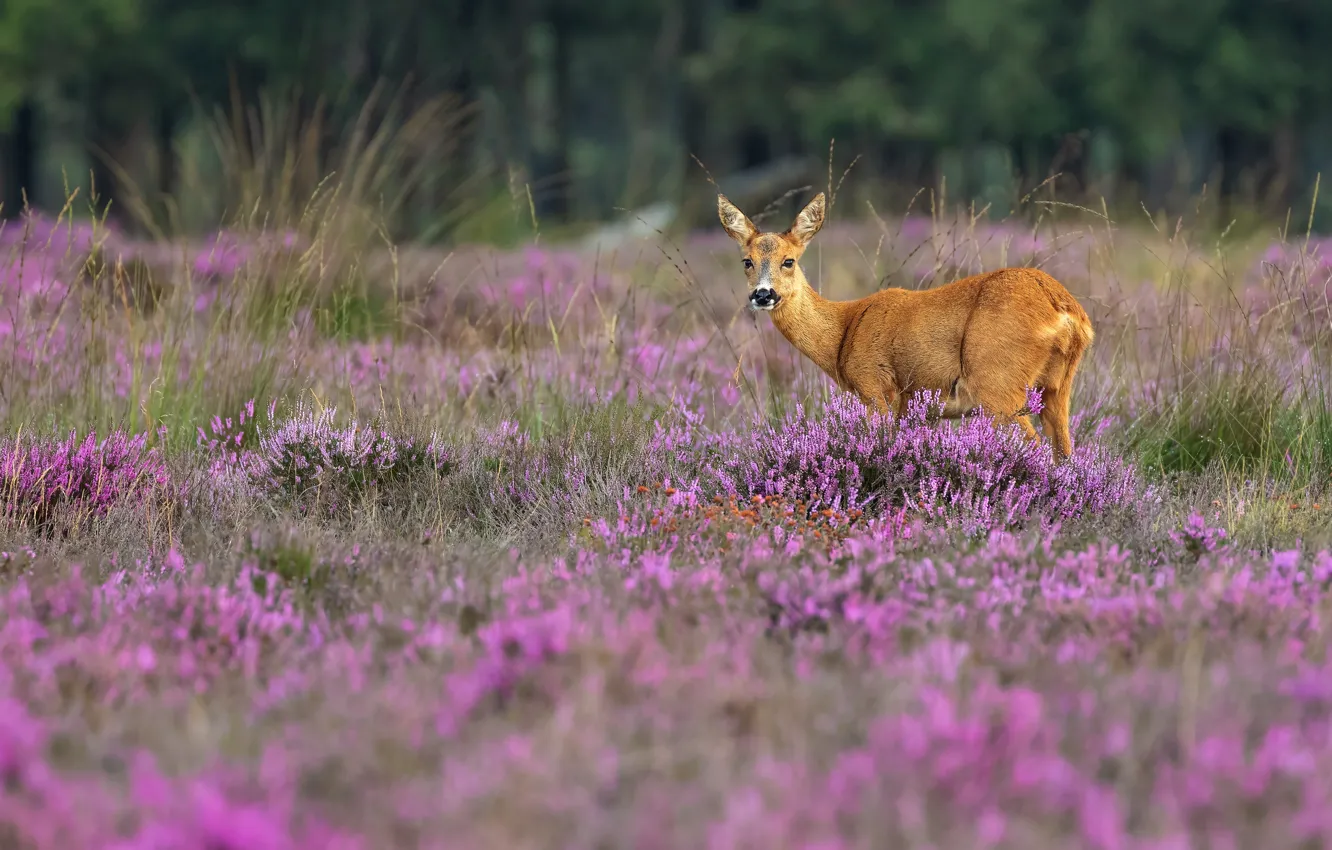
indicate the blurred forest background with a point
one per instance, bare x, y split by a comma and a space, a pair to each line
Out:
480, 119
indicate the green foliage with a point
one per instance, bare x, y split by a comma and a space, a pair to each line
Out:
1020, 72
1243, 423
590, 98
56, 41
292, 561
350, 315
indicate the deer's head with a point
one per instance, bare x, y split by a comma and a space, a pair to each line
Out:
772, 260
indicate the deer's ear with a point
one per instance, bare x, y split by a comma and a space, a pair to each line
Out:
736, 223
809, 220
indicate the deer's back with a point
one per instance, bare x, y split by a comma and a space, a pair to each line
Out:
921, 336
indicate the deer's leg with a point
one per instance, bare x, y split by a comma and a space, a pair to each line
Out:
875, 403
875, 392
1054, 421
1003, 408
998, 370
1028, 430
903, 402
1055, 403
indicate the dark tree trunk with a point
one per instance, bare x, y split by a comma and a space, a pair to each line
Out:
19, 180
1229, 154
1069, 161
510, 57
693, 108
165, 131
461, 83
1239, 155
464, 80
1285, 155
904, 167
553, 177
754, 148
105, 195
104, 140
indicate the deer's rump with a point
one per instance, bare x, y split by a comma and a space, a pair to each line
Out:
981, 341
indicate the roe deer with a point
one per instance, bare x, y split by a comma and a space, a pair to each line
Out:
980, 341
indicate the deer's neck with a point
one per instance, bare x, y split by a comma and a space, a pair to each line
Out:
815, 326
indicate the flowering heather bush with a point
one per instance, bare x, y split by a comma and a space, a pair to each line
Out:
972, 474
597, 454
307, 460
74, 479
1197, 537
227, 253
138, 642
606, 610
1010, 694
684, 525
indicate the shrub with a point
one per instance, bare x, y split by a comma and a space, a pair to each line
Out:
966, 472
307, 460
72, 479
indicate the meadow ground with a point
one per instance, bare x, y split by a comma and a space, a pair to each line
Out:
313, 541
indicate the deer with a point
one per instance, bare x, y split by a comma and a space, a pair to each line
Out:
980, 341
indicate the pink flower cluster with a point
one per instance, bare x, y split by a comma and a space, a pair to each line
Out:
68, 480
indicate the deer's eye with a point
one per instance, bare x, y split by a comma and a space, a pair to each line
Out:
749, 264
786, 264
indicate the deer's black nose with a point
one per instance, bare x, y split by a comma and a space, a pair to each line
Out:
763, 296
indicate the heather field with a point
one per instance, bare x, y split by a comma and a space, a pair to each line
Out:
315, 541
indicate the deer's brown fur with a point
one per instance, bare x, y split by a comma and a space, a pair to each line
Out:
981, 341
